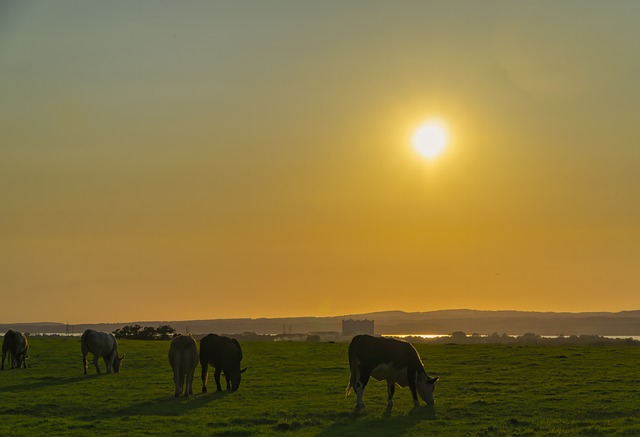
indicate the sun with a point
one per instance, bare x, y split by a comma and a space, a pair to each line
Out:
430, 139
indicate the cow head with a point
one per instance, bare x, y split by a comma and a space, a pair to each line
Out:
235, 378
20, 359
425, 386
116, 363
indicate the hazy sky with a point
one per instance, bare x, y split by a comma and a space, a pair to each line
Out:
165, 160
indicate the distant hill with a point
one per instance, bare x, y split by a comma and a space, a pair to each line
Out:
624, 323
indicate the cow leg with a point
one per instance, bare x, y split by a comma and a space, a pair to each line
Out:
361, 383
391, 388
188, 389
108, 363
95, 363
113, 356
21, 362
190, 376
216, 376
4, 355
204, 375
84, 363
181, 382
176, 381
228, 382
411, 379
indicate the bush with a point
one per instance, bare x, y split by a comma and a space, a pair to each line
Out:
137, 332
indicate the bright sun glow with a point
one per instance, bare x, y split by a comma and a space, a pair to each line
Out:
430, 139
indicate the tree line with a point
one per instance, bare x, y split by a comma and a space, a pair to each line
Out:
138, 332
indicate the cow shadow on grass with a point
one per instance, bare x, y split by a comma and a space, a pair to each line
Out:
170, 405
48, 381
360, 422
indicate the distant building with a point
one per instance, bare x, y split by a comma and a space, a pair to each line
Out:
354, 327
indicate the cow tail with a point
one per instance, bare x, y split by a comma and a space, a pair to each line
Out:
353, 367
83, 344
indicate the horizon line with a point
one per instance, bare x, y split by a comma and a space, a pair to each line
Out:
320, 317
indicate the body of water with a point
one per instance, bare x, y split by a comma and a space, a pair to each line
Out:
56, 334
431, 336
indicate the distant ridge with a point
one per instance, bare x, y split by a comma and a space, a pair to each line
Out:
623, 323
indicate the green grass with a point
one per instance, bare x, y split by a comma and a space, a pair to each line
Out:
298, 389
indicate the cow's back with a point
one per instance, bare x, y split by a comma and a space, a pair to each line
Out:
220, 351
98, 343
371, 351
183, 352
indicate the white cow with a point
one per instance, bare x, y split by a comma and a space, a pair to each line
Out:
100, 344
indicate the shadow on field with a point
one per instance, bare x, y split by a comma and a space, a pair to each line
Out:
170, 406
48, 381
358, 423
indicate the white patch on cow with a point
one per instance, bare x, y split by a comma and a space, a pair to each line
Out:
387, 372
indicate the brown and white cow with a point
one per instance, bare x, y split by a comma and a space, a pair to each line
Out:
16, 345
393, 360
100, 344
183, 357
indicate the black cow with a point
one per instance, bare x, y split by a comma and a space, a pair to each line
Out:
17, 346
224, 354
395, 361
100, 344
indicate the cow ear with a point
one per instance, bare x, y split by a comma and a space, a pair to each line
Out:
121, 358
432, 380
244, 370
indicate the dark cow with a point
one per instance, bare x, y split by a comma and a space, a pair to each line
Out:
224, 354
395, 361
17, 346
183, 357
100, 344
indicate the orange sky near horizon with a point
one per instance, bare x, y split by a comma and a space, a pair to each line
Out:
165, 161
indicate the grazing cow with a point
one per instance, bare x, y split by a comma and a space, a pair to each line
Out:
17, 346
183, 357
224, 354
100, 344
395, 361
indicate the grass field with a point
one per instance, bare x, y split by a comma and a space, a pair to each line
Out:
298, 389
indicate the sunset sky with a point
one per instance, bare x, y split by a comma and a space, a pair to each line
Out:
166, 160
